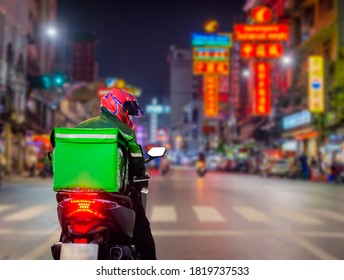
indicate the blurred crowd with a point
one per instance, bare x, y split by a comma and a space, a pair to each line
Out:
273, 163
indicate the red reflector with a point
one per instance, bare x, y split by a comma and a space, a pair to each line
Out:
80, 240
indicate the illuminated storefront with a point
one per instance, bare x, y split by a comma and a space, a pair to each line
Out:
298, 127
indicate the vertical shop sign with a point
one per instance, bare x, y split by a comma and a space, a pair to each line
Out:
316, 102
211, 101
262, 94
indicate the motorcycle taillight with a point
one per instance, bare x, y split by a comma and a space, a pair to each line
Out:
84, 207
80, 240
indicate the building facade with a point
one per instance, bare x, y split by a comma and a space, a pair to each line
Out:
13, 43
84, 63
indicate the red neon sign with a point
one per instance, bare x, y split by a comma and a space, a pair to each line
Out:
261, 14
251, 50
262, 94
261, 32
211, 102
210, 67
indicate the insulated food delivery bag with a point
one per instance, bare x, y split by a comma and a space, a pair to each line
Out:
88, 159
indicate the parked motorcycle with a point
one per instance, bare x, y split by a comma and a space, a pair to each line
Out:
89, 218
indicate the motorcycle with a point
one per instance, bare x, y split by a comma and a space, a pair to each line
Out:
201, 168
88, 219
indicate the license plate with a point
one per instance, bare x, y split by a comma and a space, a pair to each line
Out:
70, 251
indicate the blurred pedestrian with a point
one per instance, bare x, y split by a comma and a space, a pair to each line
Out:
305, 170
3, 163
32, 163
314, 169
335, 171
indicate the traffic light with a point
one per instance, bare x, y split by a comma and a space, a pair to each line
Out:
47, 81
42, 82
58, 79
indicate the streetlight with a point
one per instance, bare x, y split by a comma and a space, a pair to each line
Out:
246, 73
286, 60
52, 32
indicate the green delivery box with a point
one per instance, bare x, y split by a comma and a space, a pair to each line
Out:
88, 159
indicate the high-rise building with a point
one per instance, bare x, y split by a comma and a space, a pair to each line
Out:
84, 64
185, 99
181, 83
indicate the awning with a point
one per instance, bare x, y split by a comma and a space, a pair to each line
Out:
292, 133
307, 135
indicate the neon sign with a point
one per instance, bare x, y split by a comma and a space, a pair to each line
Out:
211, 40
211, 101
211, 54
209, 67
262, 94
316, 102
251, 50
261, 32
296, 120
261, 14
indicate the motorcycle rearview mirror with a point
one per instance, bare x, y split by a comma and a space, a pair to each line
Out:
155, 152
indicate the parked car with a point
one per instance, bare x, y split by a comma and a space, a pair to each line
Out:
215, 162
275, 167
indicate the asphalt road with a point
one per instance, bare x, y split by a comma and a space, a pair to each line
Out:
220, 216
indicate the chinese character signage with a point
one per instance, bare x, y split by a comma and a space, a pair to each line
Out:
210, 88
209, 67
211, 54
261, 32
316, 102
211, 40
262, 94
263, 50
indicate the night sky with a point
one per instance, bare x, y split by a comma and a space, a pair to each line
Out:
134, 37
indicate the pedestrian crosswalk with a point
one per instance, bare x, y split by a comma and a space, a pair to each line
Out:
252, 215
208, 214
11, 213
163, 214
28, 213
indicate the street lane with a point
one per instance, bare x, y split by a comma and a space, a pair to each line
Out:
220, 216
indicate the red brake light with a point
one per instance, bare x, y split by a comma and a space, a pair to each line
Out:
84, 206
80, 240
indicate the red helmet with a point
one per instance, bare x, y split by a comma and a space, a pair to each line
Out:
122, 104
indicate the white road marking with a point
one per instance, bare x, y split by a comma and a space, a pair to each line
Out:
315, 250
331, 215
252, 215
40, 249
163, 214
6, 207
298, 217
208, 214
27, 213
